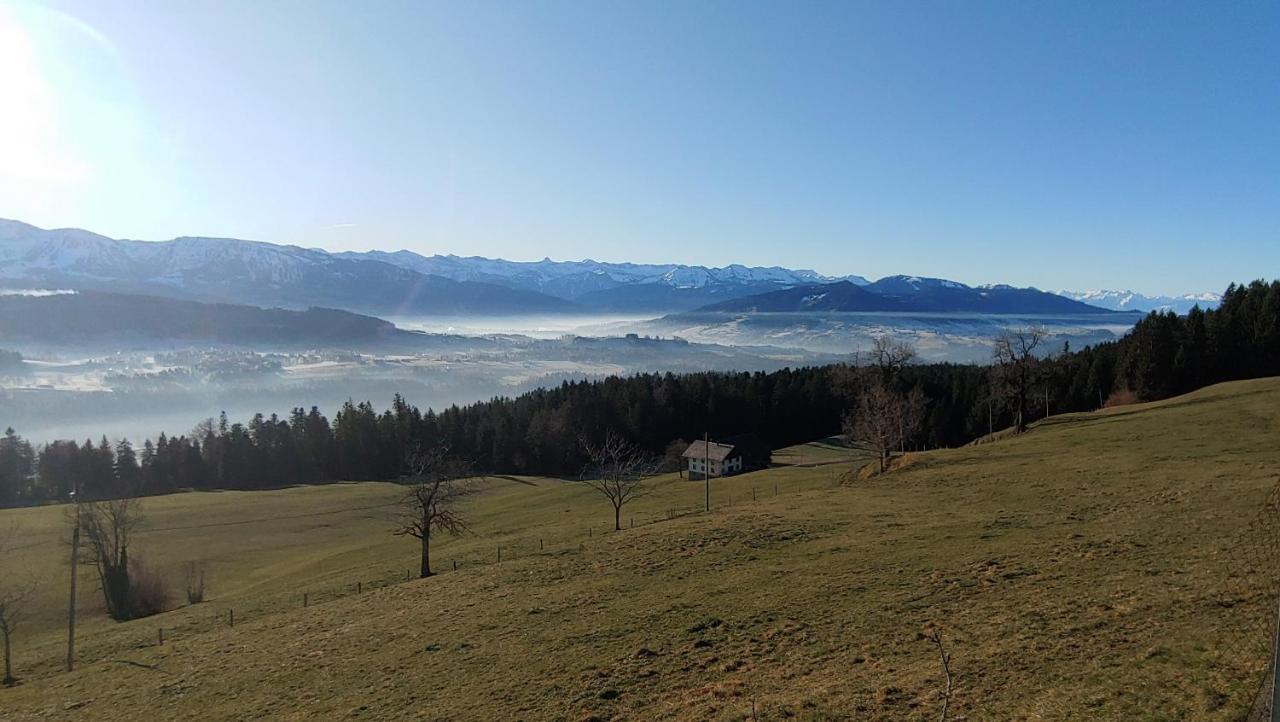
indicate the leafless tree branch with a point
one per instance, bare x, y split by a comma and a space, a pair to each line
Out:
935, 636
436, 484
1016, 366
889, 356
108, 526
16, 593
616, 469
885, 419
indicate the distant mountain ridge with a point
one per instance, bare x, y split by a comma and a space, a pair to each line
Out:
841, 296
1134, 301
92, 316
907, 294
235, 271
400, 283
403, 283
613, 287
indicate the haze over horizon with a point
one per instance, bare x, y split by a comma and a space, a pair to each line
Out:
1057, 147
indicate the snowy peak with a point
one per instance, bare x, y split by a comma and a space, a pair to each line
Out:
1133, 301
612, 287
569, 279
235, 271
407, 283
914, 284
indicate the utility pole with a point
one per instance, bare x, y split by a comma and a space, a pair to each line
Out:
706, 466
1046, 402
75, 564
991, 429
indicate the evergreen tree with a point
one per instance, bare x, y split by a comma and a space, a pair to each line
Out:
17, 467
540, 432
128, 472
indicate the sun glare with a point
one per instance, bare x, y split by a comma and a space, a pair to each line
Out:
33, 143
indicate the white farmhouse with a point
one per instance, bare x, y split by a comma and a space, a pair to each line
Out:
715, 459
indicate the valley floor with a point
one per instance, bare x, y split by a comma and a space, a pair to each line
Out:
1102, 566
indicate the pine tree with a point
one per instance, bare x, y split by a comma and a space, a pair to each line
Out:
128, 472
17, 467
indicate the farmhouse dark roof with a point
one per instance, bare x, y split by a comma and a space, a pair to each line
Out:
712, 451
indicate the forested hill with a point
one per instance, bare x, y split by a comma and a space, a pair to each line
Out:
541, 432
85, 317
907, 294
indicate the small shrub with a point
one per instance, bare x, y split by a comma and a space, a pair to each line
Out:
195, 582
1121, 397
148, 591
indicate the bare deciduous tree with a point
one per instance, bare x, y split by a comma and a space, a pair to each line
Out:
16, 591
1016, 366
889, 356
884, 419
107, 527
883, 363
616, 469
436, 484
911, 416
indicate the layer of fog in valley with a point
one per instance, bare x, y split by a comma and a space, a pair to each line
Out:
954, 337
547, 326
61, 393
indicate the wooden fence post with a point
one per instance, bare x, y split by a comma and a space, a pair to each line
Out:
359, 587
160, 635
231, 617
304, 600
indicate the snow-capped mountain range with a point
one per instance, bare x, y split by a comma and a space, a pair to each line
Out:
245, 272
1133, 301
403, 283
398, 283
570, 278
623, 287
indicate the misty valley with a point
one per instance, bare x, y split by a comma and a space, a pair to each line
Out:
627, 361
74, 393
131, 372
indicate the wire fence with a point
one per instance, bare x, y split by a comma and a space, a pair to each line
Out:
1239, 663
1251, 604
215, 613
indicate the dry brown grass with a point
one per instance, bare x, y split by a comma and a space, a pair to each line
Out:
1080, 571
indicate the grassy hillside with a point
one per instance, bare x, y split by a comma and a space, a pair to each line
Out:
1087, 570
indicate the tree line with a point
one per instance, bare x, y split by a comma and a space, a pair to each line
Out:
542, 432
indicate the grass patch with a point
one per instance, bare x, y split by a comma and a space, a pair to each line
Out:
1081, 571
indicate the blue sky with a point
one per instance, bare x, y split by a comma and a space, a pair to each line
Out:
1072, 144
